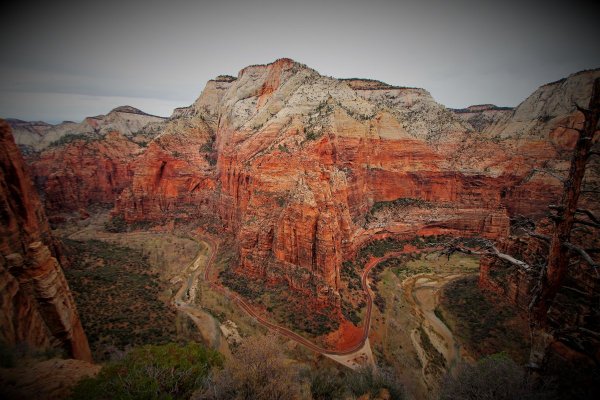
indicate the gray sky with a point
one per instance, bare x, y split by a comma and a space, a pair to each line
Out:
66, 61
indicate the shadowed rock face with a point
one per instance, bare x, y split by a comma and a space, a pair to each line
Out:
36, 306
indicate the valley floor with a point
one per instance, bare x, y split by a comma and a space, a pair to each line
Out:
406, 331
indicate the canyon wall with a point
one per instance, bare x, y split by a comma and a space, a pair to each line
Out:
36, 306
84, 172
302, 169
77, 165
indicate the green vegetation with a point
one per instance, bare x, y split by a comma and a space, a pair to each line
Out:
116, 224
288, 307
143, 225
327, 384
283, 148
247, 287
331, 384
72, 137
436, 358
352, 298
432, 263
280, 201
258, 371
312, 135
379, 248
374, 382
152, 372
117, 297
483, 321
206, 147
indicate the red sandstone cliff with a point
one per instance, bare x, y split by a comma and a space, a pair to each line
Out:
303, 168
301, 160
84, 171
36, 306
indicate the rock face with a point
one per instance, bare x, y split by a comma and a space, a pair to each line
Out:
84, 171
303, 168
36, 306
78, 165
481, 117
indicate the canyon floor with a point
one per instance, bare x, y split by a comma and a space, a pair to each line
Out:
405, 333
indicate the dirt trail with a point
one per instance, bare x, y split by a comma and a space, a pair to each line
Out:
353, 357
424, 291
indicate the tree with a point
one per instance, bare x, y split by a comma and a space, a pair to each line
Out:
561, 249
553, 276
152, 372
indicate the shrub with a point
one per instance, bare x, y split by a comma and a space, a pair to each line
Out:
373, 382
326, 384
495, 377
169, 371
258, 371
116, 224
402, 202
311, 135
72, 137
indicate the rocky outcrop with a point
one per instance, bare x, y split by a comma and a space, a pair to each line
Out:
36, 306
78, 165
45, 380
483, 116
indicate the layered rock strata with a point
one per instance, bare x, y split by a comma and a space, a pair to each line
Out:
303, 169
294, 163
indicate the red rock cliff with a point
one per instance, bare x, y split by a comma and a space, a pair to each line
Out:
36, 306
301, 160
302, 169
84, 172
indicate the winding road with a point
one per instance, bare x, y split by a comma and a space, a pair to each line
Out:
351, 357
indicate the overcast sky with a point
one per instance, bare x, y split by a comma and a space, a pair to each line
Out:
65, 61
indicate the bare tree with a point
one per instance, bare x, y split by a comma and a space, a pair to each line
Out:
552, 278
561, 249
257, 371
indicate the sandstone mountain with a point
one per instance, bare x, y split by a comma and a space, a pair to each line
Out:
129, 121
36, 306
302, 169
